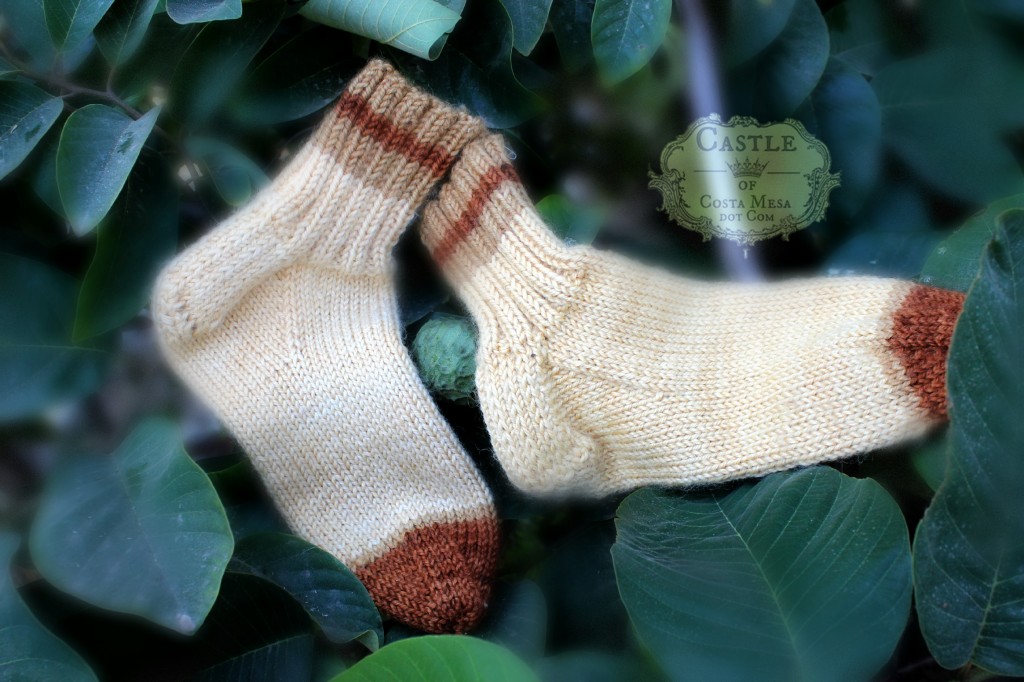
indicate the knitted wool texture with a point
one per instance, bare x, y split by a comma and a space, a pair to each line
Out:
598, 375
284, 320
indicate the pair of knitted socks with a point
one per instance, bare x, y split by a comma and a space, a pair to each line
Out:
595, 375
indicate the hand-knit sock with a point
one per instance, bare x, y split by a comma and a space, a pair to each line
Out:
596, 374
284, 320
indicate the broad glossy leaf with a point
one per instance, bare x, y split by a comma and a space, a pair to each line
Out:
844, 114
893, 238
439, 658
789, 69
301, 77
954, 262
969, 548
290, 658
28, 651
215, 61
573, 224
753, 25
8, 70
138, 235
122, 29
98, 148
596, 666
140, 531
931, 461
255, 633
235, 175
802, 576
570, 22
529, 17
32, 34
419, 27
626, 34
516, 619
933, 119
39, 364
1009, 9
44, 179
70, 22
26, 113
196, 11
332, 596
859, 35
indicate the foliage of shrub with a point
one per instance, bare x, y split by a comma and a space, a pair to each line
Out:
141, 545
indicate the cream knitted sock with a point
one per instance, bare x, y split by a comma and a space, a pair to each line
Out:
284, 320
598, 375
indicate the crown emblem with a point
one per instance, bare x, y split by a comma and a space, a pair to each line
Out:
747, 168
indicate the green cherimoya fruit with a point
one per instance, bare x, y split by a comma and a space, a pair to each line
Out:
445, 353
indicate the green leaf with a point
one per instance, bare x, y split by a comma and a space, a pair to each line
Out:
215, 61
39, 365
256, 632
626, 34
860, 32
753, 26
234, 174
893, 238
930, 461
439, 658
517, 620
28, 651
772, 581
301, 77
289, 658
595, 666
70, 22
1009, 9
570, 22
121, 31
197, 11
932, 119
140, 531
954, 262
789, 69
529, 17
573, 224
44, 179
32, 34
26, 113
327, 590
133, 242
844, 114
98, 148
419, 27
969, 548
8, 70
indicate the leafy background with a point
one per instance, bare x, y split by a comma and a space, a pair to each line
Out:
140, 544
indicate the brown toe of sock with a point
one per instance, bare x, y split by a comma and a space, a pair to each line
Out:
921, 331
439, 578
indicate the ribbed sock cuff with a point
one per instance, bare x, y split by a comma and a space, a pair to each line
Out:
381, 113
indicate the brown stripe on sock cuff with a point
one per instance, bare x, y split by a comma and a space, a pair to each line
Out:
439, 577
921, 331
432, 157
470, 218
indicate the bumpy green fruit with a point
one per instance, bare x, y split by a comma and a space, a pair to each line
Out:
445, 353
